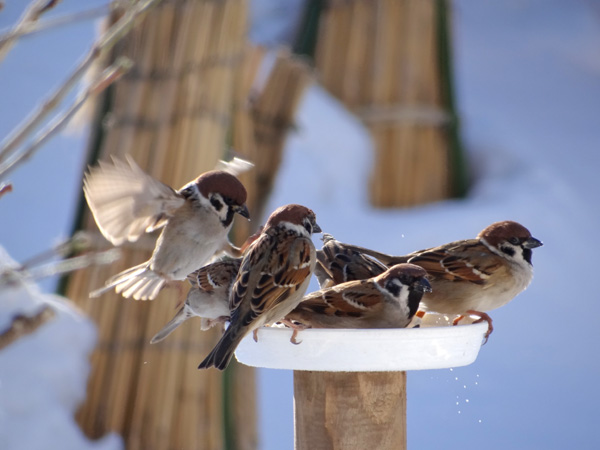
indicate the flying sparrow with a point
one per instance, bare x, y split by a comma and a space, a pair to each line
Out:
389, 300
471, 276
208, 297
272, 279
195, 220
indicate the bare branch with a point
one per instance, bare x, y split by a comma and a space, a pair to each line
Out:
44, 265
108, 76
23, 325
31, 15
30, 28
103, 45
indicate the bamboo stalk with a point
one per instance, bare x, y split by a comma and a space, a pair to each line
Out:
157, 118
388, 48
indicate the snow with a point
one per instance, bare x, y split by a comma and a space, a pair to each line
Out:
43, 376
527, 77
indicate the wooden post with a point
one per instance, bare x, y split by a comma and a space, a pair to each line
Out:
350, 410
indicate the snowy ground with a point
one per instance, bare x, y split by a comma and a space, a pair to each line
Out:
527, 74
43, 376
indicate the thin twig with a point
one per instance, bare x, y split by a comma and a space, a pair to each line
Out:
75, 263
30, 16
81, 241
30, 28
108, 76
14, 276
103, 45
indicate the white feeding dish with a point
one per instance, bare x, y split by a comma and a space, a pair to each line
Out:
364, 350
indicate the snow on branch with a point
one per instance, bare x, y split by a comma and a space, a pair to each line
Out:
23, 325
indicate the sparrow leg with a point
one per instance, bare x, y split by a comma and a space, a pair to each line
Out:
214, 322
255, 335
482, 317
297, 327
458, 319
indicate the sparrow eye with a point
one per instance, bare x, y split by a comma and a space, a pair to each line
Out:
514, 241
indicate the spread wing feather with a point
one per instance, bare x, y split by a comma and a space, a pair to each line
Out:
127, 202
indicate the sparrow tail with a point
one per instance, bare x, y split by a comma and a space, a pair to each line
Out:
179, 318
220, 356
138, 282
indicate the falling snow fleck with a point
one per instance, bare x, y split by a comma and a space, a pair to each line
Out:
467, 401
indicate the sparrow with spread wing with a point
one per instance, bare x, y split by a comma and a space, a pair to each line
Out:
195, 220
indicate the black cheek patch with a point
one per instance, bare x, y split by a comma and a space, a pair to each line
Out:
216, 203
394, 288
508, 250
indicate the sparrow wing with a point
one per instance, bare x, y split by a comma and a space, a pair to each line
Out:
340, 263
216, 275
467, 260
352, 299
235, 166
374, 257
127, 202
271, 272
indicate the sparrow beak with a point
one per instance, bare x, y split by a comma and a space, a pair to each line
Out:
423, 285
316, 228
242, 211
532, 243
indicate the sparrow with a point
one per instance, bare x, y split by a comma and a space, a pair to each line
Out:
208, 297
195, 220
336, 263
470, 276
389, 300
273, 277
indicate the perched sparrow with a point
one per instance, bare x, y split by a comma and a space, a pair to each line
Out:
208, 297
336, 263
272, 279
474, 275
389, 300
126, 202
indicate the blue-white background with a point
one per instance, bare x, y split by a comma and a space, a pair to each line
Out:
528, 91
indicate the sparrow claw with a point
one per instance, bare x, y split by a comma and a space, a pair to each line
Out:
483, 317
293, 338
297, 327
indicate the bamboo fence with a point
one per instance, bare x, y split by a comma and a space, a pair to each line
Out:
381, 58
175, 113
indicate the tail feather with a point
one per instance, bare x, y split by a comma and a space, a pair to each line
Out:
221, 355
180, 317
138, 282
